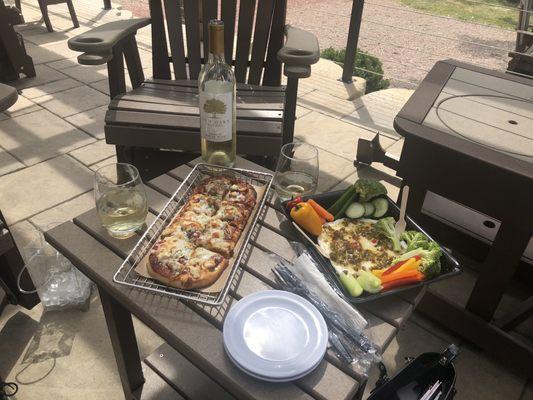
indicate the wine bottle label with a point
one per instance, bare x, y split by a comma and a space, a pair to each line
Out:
216, 116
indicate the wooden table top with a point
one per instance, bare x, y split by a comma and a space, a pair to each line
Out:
483, 113
194, 330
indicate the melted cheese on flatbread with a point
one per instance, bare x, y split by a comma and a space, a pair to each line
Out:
174, 252
202, 259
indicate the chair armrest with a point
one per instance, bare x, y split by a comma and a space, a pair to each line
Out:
97, 44
301, 50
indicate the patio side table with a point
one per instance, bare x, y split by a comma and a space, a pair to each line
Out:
469, 149
192, 361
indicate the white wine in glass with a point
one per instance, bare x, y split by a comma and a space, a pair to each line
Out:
296, 171
217, 103
120, 199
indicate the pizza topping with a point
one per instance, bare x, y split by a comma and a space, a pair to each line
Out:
201, 218
241, 193
204, 257
201, 204
236, 197
216, 186
199, 242
229, 211
173, 252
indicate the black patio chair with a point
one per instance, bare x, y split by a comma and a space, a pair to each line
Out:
162, 112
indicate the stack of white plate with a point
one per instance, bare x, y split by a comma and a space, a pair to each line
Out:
275, 336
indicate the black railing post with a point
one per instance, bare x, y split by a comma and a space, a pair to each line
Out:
353, 38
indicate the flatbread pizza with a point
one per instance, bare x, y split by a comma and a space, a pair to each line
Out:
195, 248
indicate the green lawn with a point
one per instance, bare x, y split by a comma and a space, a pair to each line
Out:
490, 13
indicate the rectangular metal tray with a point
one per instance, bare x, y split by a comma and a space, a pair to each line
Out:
450, 266
126, 274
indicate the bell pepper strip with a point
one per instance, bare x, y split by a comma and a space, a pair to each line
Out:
410, 266
399, 264
293, 202
378, 272
403, 282
321, 210
400, 275
407, 265
307, 218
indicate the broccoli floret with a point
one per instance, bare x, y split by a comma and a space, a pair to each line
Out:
415, 239
367, 189
386, 227
430, 257
430, 270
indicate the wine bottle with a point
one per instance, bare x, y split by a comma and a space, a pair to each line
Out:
217, 102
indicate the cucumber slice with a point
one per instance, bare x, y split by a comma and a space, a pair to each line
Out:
369, 209
350, 284
381, 206
342, 212
355, 210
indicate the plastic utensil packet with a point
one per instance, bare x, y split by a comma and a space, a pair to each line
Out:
351, 346
307, 269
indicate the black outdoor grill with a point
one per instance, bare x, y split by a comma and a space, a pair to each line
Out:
430, 376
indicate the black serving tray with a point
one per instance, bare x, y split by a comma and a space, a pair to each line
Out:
450, 266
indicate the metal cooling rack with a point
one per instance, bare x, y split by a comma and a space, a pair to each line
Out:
126, 274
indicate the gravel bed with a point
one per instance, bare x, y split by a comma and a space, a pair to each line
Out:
393, 33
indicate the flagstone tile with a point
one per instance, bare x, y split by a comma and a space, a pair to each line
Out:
94, 152
87, 73
46, 54
49, 88
8, 163
43, 75
91, 121
37, 188
332, 134
72, 101
64, 63
39, 136
22, 106
64, 212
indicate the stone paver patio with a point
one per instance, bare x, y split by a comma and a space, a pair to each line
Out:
52, 140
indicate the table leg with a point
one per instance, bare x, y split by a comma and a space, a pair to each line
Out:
498, 269
122, 333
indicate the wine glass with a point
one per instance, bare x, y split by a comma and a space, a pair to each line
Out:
120, 199
296, 171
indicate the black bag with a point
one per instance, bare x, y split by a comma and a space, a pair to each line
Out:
418, 377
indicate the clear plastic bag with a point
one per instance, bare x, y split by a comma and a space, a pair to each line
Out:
302, 275
57, 282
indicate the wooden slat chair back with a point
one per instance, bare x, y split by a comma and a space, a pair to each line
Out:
251, 43
162, 112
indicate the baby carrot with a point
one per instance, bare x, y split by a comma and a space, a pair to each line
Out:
321, 210
401, 275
